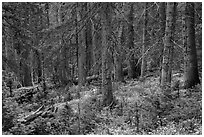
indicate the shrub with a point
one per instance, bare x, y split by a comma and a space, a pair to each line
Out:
158, 109
10, 111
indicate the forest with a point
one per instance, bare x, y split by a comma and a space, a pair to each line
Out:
101, 68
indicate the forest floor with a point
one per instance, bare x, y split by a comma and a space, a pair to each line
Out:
139, 107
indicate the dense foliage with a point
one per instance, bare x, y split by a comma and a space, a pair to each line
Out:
139, 108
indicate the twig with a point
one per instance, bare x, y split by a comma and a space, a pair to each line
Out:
177, 45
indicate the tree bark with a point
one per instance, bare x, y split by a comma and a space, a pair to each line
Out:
64, 67
162, 23
191, 76
94, 43
144, 63
106, 58
184, 35
76, 38
118, 56
168, 45
26, 70
97, 47
131, 64
39, 65
89, 45
81, 49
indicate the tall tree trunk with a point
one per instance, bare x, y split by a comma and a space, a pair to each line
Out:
82, 49
26, 70
118, 56
94, 43
43, 71
131, 61
39, 66
76, 37
62, 42
144, 63
168, 45
89, 45
64, 65
184, 35
97, 47
162, 23
38, 60
106, 58
191, 76
7, 42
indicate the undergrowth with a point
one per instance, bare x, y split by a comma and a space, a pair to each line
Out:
139, 108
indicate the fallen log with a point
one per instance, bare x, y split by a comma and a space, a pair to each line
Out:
26, 88
88, 79
51, 111
57, 109
45, 112
32, 116
25, 94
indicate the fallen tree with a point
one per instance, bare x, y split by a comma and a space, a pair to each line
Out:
48, 111
89, 79
55, 110
25, 94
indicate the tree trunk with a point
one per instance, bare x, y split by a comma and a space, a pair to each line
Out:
144, 63
106, 58
64, 67
131, 64
26, 70
184, 35
76, 38
89, 45
94, 43
191, 76
162, 23
97, 48
39, 65
168, 45
118, 56
82, 49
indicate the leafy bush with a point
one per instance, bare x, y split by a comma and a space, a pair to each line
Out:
10, 111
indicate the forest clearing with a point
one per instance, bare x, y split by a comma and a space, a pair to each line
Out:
98, 68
